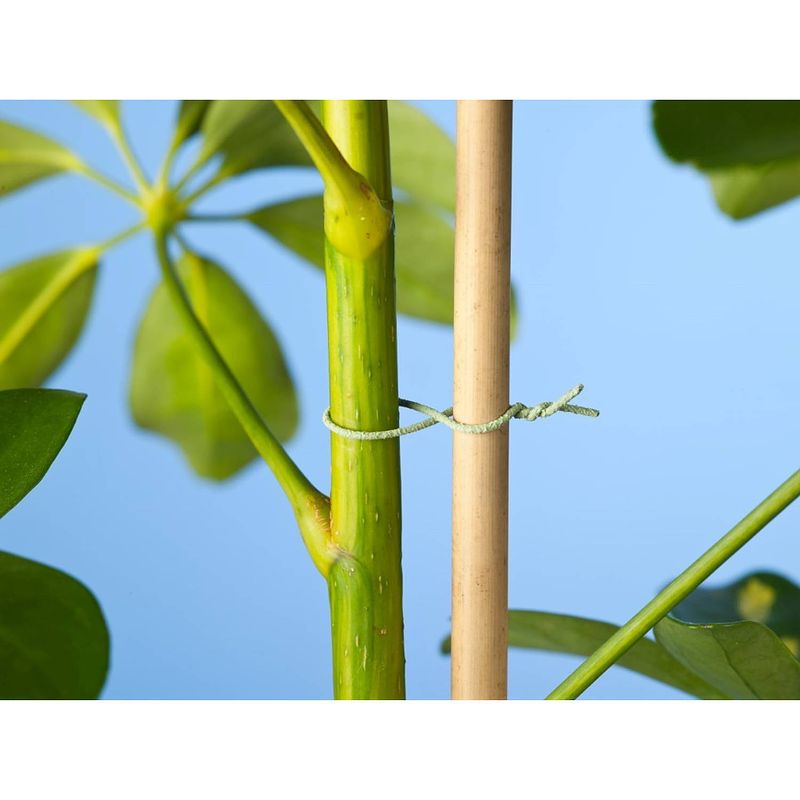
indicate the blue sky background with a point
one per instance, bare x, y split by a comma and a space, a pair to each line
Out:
682, 325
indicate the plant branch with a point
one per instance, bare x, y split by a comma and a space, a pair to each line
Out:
309, 504
633, 630
108, 183
365, 584
120, 138
120, 237
356, 221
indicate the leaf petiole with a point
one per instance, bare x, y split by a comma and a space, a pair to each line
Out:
309, 504
632, 631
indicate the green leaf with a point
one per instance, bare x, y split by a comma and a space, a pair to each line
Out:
423, 156
725, 133
45, 302
249, 134
174, 393
34, 424
746, 190
424, 251
743, 638
191, 114
252, 134
561, 633
26, 157
749, 149
106, 112
54, 643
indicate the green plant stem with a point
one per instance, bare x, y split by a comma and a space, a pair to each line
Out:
120, 138
633, 630
103, 180
310, 506
365, 584
239, 217
206, 187
119, 238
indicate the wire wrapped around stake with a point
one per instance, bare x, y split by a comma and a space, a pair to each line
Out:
517, 411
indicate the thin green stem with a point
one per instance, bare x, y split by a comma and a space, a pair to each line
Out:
309, 504
204, 188
120, 138
108, 183
633, 630
120, 237
239, 217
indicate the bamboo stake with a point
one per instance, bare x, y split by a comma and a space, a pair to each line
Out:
480, 388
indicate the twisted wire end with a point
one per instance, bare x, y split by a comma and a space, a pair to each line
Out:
516, 411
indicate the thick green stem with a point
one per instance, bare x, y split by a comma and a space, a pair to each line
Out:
365, 583
633, 630
310, 506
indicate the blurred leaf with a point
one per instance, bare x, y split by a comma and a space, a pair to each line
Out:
423, 156
726, 133
742, 638
749, 149
54, 643
26, 157
743, 191
190, 118
560, 633
249, 134
424, 251
174, 393
34, 424
105, 112
45, 302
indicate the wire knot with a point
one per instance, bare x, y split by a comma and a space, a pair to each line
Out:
516, 411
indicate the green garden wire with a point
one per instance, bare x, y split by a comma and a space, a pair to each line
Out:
517, 411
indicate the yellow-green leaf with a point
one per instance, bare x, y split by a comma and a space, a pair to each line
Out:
423, 157
190, 119
44, 305
748, 189
26, 156
424, 251
105, 112
174, 393
249, 134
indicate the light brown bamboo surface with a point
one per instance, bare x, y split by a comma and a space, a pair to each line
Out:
481, 373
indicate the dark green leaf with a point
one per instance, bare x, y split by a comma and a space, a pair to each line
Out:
45, 302
742, 638
26, 157
172, 390
423, 157
105, 112
249, 134
190, 118
726, 133
34, 424
560, 633
54, 644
